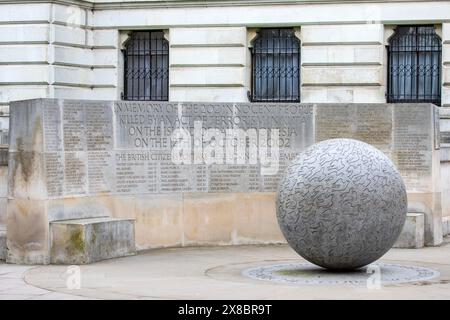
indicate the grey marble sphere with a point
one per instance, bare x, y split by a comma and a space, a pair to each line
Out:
341, 204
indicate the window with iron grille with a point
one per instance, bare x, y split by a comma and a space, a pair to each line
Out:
146, 67
414, 65
276, 66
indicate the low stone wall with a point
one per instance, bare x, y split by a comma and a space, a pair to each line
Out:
72, 159
3, 185
3, 198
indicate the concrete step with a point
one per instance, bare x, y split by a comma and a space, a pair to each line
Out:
2, 243
413, 232
84, 241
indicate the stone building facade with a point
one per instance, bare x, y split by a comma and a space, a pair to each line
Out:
73, 49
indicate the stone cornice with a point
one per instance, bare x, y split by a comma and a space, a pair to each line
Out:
86, 4
141, 4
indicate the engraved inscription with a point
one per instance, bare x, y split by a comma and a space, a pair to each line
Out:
413, 144
101, 147
369, 123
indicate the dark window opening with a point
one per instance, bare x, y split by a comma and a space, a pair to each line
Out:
414, 65
146, 67
276, 66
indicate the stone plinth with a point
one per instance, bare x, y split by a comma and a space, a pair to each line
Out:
75, 159
84, 241
446, 226
412, 235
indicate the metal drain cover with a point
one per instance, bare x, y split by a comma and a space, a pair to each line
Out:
309, 274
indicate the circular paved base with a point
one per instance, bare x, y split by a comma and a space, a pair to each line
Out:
216, 273
309, 274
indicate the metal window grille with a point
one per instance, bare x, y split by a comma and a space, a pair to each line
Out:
414, 65
146, 67
276, 66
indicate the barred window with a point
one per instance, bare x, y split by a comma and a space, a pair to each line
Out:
276, 66
414, 65
146, 66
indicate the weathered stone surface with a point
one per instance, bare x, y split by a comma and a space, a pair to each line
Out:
3, 206
2, 244
446, 226
28, 232
73, 159
201, 219
341, 204
86, 148
445, 183
83, 241
412, 235
3, 193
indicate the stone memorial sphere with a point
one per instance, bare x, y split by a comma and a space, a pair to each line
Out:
341, 204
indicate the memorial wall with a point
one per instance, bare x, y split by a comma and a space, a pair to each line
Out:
123, 148
192, 173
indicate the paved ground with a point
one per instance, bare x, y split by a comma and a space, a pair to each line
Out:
211, 273
13, 286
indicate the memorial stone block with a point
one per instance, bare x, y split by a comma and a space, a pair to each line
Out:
412, 235
74, 159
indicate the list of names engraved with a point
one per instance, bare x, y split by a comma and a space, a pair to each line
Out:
53, 145
101, 147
